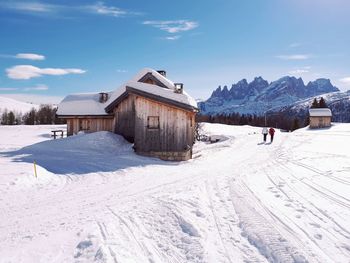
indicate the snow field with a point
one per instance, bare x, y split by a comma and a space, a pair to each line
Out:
237, 201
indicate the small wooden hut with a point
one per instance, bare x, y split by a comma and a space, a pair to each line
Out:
157, 115
320, 118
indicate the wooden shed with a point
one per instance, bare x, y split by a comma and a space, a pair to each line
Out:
320, 118
152, 112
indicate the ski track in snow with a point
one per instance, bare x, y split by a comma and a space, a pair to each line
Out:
236, 201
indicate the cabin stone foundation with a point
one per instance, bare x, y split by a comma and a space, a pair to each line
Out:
169, 156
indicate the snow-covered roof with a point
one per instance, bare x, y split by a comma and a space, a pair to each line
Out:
82, 104
88, 104
150, 89
166, 82
167, 93
320, 112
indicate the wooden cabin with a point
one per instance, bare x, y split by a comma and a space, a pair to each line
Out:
320, 118
151, 111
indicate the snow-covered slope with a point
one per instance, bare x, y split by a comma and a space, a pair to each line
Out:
338, 102
238, 200
15, 105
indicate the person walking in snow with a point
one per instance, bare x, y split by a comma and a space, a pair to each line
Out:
264, 132
272, 133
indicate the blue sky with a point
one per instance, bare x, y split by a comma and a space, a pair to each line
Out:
53, 48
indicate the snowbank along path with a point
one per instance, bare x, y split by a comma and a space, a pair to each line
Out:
238, 200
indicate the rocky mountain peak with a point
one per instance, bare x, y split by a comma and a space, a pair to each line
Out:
259, 94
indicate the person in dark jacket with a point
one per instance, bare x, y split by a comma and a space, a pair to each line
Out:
272, 133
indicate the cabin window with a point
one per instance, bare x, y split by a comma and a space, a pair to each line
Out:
153, 122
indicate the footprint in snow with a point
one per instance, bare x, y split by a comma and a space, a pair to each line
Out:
318, 236
315, 225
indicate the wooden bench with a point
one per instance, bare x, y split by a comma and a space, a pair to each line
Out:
55, 132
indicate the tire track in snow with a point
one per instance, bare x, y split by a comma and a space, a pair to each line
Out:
227, 255
258, 223
250, 253
260, 229
284, 163
345, 232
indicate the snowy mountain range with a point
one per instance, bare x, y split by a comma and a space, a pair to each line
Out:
259, 96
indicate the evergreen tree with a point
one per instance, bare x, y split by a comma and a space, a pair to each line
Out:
315, 104
295, 124
18, 119
10, 118
46, 114
30, 117
322, 103
4, 118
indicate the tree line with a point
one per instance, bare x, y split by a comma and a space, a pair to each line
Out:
46, 114
278, 120
285, 120
319, 103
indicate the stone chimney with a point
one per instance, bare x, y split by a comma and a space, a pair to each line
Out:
103, 97
162, 72
179, 87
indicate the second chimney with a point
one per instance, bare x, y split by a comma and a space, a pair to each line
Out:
162, 72
103, 97
179, 87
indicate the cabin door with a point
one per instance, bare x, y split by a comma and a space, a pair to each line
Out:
320, 122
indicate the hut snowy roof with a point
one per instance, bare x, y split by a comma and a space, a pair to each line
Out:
320, 112
89, 104
82, 104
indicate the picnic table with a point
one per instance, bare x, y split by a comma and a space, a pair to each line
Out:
55, 132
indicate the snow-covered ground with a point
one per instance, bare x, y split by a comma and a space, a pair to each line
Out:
238, 200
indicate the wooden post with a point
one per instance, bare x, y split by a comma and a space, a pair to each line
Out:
36, 176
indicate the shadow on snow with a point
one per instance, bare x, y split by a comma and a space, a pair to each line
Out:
81, 154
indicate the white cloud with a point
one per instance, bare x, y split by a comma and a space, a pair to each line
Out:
173, 26
41, 8
298, 71
301, 70
34, 98
8, 89
294, 57
345, 81
121, 70
172, 37
32, 7
37, 87
102, 9
30, 56
29, 71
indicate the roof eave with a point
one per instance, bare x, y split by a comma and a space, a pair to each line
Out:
77, 116
132, 90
